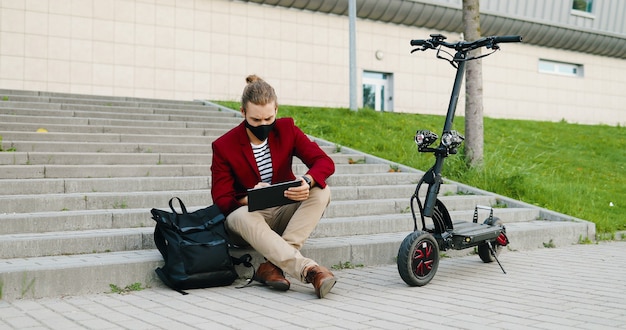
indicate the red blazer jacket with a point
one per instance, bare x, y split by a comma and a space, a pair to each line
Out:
234, 169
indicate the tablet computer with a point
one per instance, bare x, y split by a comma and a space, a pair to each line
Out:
270, 196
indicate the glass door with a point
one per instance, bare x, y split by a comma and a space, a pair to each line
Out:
377, 91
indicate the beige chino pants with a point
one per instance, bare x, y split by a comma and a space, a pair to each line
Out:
278, 233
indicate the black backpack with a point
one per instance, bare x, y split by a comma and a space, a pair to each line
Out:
195, 248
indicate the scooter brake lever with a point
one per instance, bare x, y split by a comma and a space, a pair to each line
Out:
416, 49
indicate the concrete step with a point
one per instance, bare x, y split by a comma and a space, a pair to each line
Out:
101, 171
35, 110
96, 201
382, 248
30, 171
7, 95
60, 221
508, 215
75, 242
380, 192
8, 136
93, 129
373, 177
121, 113
107, 147
76, 274
146, 124
12, 204
156, 109
53, 102
103, 147
95, 158
346, 208
372, 201
119, 158
172, 112
154, 183
91, 185
401, 222
116, 143
67, 121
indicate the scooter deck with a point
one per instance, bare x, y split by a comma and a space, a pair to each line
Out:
468, 234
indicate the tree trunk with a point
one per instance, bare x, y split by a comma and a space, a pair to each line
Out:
473, 88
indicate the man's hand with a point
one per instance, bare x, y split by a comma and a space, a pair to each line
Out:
244, 200
299, 193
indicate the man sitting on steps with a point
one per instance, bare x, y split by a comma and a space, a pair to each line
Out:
257, 153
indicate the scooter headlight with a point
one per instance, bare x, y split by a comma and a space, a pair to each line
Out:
424, 138
452, 139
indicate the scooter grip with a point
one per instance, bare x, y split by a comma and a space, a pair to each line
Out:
507, 39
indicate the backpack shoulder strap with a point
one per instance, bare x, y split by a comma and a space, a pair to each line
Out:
245, 260
159, 241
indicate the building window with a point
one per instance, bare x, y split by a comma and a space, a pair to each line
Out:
582, 5
560, 68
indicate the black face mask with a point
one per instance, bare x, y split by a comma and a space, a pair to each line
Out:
261, 131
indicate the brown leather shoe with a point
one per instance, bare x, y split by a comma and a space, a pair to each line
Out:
273, 276
323, 280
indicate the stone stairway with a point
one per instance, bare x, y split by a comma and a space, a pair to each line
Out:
80, 173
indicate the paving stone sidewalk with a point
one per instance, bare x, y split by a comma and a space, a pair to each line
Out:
571, 287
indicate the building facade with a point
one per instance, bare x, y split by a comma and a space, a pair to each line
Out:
571, 65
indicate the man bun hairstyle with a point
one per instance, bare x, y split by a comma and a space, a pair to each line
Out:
257, 91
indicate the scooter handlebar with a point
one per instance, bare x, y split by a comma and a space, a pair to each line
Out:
438, 40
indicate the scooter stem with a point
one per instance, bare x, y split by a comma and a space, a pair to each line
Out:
434, 178
454, 97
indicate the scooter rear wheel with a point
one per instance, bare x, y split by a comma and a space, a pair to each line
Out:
418, 258
483, 249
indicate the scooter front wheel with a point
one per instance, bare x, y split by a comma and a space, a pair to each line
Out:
418, 258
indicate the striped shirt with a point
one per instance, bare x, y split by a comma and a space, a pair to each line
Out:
263, 160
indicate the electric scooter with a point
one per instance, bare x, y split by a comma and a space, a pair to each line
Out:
418, 255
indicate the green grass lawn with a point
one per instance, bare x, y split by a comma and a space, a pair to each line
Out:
573, 169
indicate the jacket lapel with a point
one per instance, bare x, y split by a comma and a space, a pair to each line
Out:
246, 150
